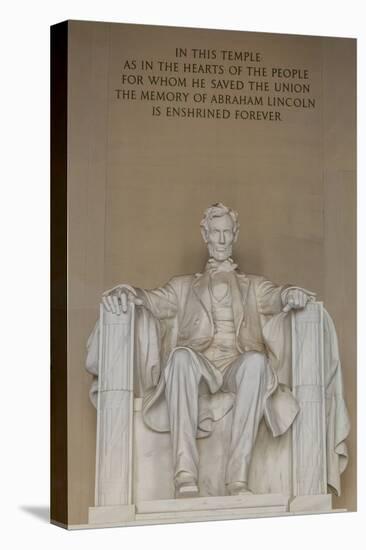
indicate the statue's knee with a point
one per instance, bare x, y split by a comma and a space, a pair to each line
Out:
181, 354
253, 364
181, 361
257, 362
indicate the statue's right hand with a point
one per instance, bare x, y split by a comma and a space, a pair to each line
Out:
116, 299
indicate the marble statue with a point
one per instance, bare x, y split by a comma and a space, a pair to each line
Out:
213, 342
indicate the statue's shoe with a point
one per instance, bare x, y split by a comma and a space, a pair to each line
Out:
187, 491
238, 488
186, 486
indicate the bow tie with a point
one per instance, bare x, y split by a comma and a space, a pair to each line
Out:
213, 266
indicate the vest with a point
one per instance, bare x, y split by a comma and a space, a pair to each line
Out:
222, 351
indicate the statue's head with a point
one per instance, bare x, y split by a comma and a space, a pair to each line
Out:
220, 229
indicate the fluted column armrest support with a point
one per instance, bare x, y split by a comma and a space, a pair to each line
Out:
114, 449
309, 428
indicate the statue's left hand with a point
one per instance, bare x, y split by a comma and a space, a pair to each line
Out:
297, 298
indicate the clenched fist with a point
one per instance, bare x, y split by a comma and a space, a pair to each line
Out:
297, 298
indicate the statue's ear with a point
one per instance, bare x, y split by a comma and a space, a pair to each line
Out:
236, 235
204, 234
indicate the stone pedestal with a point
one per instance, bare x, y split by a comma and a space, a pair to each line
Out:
191, 509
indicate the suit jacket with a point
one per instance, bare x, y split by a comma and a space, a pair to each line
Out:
187, 298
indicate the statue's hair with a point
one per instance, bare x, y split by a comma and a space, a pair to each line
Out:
217, 210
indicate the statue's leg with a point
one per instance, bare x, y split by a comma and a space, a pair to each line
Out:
247, 378
182, 376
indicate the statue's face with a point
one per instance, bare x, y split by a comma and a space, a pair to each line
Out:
220, 237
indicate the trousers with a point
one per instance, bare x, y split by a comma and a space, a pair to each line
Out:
247, 377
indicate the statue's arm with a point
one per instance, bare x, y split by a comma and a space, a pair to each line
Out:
161, 302
273, 299
269, 296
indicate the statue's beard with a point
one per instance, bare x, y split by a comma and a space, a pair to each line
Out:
219, 252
